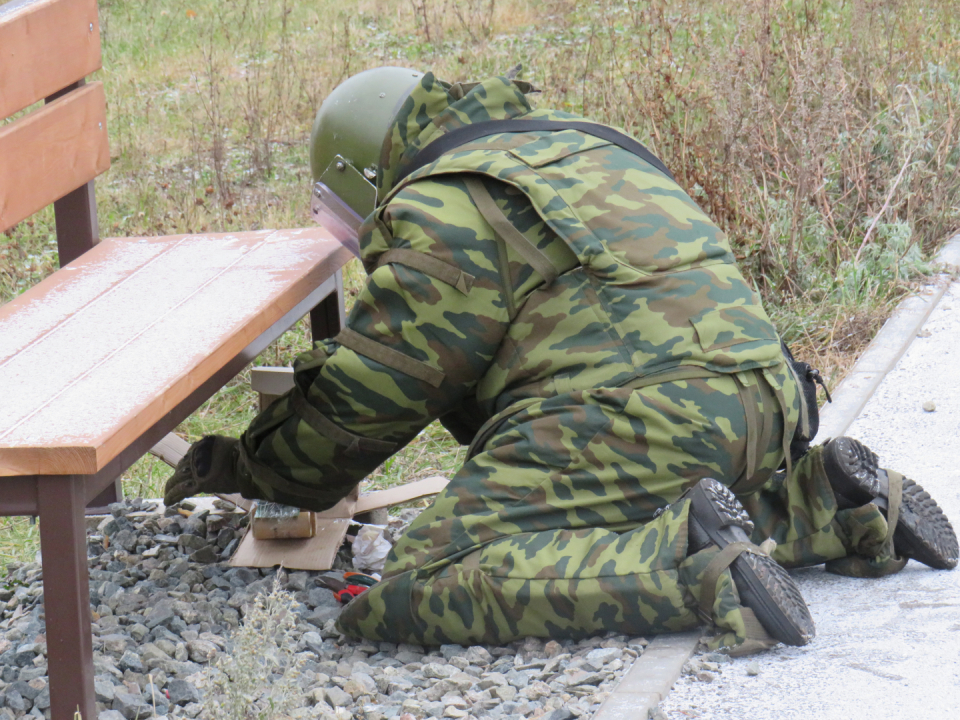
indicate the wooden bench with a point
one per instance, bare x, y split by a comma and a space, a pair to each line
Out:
103, 359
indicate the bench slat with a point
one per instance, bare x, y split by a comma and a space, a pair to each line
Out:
98, 352
52, 151
45, 45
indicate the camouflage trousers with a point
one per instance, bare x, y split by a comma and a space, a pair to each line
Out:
568, 524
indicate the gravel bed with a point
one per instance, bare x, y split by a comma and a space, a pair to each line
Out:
166, 606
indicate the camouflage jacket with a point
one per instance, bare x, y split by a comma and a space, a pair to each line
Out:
611, 276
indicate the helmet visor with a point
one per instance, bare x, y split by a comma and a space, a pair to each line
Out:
336, 216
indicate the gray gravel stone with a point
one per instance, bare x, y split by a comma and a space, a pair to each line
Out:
25, 654
604, 655
25, 689
206, 554
165, 615
15, 701
42, 701
337, 697
201, 651
132, 706
182, 692
104, 690
131, 661
160, 614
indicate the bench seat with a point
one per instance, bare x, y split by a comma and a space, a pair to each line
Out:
98, 352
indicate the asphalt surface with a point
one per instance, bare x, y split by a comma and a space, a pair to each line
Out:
886, 648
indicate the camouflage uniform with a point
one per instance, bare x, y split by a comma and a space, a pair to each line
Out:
570, 312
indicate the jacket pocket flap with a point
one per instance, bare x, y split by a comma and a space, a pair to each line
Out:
728, 326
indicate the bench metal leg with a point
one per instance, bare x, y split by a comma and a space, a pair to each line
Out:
66, 595
77, 228
111, 494
328, 318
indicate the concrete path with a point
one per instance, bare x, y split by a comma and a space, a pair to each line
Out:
887, 648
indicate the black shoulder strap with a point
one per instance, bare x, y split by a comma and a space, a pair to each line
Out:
468, 133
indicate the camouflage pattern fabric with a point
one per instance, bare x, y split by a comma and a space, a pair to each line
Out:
801, 514
553, 529
588, 333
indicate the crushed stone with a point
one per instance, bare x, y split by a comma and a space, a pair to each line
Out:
165, 604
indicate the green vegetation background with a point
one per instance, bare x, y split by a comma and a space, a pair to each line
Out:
822, 135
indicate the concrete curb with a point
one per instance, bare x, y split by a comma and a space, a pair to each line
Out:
652, 676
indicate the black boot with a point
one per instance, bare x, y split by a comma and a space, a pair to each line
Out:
718, 518
923, 532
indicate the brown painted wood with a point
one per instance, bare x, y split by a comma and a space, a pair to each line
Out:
149, 318
51, 152
78, 229
44, 46
66, 596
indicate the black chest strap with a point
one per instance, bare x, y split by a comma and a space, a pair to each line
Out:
468, 133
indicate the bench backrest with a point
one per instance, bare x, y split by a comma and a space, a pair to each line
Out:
52, 153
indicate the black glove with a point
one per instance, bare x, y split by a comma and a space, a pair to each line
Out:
211, 465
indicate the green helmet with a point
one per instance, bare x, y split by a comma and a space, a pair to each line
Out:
345, 144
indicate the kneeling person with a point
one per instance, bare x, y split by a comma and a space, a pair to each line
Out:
541, 285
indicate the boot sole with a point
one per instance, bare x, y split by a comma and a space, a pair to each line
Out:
923, 531
763, 585
853, 470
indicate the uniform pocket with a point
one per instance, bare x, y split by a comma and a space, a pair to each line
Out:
738, 336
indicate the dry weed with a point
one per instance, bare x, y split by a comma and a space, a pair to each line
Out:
255, 678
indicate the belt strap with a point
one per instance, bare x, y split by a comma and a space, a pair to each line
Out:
711, 576
756, 637
429, 265
394, 359
894, 497
468, 133
689, 372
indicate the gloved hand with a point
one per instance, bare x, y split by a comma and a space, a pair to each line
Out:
210, 466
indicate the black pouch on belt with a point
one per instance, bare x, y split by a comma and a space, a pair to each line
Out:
807, 378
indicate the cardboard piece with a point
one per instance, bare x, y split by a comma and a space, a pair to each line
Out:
239, 500
400, 494
319, 552
316, 553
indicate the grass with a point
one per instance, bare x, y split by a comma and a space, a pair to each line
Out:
822, 135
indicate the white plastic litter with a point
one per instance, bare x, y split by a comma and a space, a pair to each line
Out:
370, 549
